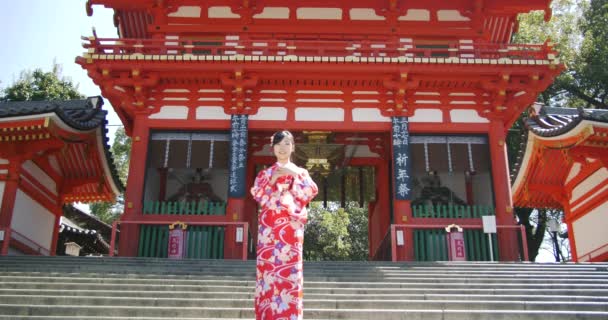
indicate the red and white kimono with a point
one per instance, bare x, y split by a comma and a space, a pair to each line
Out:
278, 292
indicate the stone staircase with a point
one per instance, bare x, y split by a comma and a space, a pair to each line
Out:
137, 288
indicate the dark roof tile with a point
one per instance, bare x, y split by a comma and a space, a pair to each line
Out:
82, 114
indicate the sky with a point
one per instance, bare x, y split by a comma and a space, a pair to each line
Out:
38, 33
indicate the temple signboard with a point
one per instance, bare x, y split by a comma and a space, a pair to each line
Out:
238, 156
401, 153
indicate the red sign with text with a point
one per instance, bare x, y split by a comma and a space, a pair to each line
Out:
456, 247
177, 243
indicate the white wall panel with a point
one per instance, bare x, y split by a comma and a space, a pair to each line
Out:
32, 220
2, 183
270, 113
211, 113
590, 230
466, 116
586, 185
40, 175
427, 115
171, 112
319, 114
369, 115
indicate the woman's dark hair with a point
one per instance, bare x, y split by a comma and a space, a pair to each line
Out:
278, 136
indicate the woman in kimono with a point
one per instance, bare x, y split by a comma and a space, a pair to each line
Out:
282, 191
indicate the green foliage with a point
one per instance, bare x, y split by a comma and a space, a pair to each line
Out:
336, 234
121, 149
578, 29
38, 85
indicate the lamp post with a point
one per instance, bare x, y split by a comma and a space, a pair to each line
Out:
554, 227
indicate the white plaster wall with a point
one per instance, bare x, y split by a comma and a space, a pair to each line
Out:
594, 180
427, 115
171, 112
590, 230
270, 113
3, 161
466, 116
1, 192
368, 115
576, 168
33, 220
211, 113
319, 114
186, 12
40, 175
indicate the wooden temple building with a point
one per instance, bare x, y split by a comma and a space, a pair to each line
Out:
401, 106
565, 166
51, 153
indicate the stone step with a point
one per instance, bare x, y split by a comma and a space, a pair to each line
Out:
231, 303
316, 273
312, 285
312, 279
49, 261
579, 294
133, 312
142, 288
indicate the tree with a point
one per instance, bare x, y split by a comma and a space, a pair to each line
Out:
578, 30
108, 212
38, 85
336, 233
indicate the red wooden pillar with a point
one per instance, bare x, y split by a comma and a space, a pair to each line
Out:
571, 234
58, 213
11, 184
507, 238
129, 233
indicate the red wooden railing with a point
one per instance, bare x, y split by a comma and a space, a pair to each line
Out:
245, 226
32, 246
589, 256
315, 48
410, 227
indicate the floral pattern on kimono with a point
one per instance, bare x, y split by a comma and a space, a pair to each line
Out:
279, 280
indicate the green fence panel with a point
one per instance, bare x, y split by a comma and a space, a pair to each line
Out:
431, 245
203, 242
184, 208
451, 211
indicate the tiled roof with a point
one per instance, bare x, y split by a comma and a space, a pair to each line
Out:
551, 122
83, 114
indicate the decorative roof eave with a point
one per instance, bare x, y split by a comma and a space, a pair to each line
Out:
556, 128
88, 58
80, 117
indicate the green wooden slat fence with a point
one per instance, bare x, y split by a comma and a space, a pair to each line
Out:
431, 245
204, 242
204, 208
451, 211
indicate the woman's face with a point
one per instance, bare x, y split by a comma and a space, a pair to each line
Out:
283, 149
